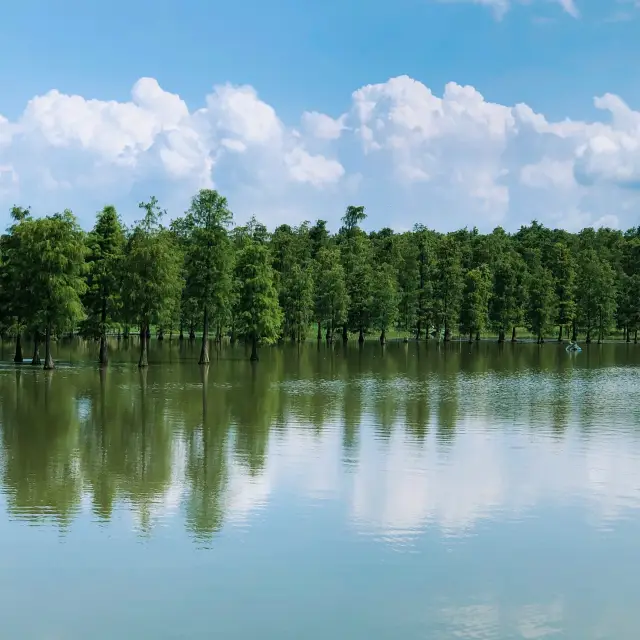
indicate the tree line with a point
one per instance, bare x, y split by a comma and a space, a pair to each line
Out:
202, 273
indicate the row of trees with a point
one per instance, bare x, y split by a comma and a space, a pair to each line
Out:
202, 273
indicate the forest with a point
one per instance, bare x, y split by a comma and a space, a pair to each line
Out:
202, 273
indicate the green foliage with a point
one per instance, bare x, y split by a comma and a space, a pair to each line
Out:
152, 272
474, 316
105, 254
258, 314
448, 284
331, 298
384, 304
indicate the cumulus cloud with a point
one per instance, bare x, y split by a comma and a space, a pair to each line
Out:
401, 149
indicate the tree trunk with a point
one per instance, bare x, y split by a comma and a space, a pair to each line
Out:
470, 337
204, 351
477, 336
144, 360
418, 330
628, 338
48, 358
574, 332
501, 336
514, 338
319, 331
161, 334
17, 358
345, 333
560, 334
254, 349
447, 333
192, 333
327, 335
635, 337
181, 336
361, 336
125, 333
383, 337
103, 358
588, 337
36, 349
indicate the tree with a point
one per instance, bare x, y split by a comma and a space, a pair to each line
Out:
54, 253
596, 294
331, 298
448, 284
209, 261
384, 305
564, 274
152, 272
298, 301
258, 315
474, 316
509, 294
541, 307
104, 262
16, 298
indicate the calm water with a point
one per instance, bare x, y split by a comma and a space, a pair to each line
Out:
460, 492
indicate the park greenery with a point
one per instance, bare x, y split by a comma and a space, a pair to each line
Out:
202, 274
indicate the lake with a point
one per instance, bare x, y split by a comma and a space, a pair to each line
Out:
421, 491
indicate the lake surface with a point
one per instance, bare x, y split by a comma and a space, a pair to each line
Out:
423, 491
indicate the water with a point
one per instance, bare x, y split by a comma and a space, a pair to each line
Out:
466, 491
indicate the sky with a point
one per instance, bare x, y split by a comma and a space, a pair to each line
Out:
447, 113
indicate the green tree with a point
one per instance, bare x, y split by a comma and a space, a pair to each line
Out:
258, 315
54, 251
448, 284
152, 272
509, 294
384, 305
209, 261
104, 277
564, 275
16, 296
541, 306
596, 294
331, 298
474, 316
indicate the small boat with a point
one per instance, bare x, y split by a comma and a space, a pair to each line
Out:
573, 347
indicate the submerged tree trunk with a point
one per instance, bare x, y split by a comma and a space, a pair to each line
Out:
204, 351
48, 358
254, 349
470, 337
560, 334
144, 360
361, 336
514, 337
192, 332
383, 337
345, 333
588, 337
574, 332
161, 334
319, 331
477, 336
18, 358
419, 330
627, 336
36, 349
501, 335
635, 337
181, 336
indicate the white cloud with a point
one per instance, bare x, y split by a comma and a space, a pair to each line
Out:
323, 126
400, 149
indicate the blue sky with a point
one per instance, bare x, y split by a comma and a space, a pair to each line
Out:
305, 56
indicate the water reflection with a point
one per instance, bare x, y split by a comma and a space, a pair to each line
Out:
424, 436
